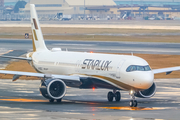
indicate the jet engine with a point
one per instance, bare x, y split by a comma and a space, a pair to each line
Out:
53, 89
147, 93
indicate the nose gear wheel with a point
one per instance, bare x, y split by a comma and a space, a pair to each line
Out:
133, 102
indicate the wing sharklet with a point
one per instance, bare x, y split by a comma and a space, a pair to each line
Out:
15, 77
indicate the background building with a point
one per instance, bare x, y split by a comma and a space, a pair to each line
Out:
67, 6
91, 9
1, 6
1, 3
159, 9
12, 2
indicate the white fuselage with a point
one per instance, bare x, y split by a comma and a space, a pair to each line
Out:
107, 67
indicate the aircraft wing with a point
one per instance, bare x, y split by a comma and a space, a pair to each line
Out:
20, 58
17, 74
166, 70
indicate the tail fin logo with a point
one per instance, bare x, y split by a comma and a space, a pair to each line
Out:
35, 24
36, 27
34, 47
35, 36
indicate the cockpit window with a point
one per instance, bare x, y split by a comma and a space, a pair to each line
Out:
138, 68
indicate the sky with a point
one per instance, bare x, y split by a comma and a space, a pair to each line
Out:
13, 0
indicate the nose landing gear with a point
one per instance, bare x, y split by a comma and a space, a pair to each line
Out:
115, 94
133, 102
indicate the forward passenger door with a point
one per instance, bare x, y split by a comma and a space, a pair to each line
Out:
118, 74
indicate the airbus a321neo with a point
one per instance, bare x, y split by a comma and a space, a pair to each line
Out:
83, 70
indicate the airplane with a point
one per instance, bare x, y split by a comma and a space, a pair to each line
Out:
58, 69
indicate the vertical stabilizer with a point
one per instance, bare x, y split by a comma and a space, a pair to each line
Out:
37, 37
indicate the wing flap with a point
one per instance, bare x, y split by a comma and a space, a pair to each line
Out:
166, 70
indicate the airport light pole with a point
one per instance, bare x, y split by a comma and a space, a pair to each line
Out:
131, 7
143, 6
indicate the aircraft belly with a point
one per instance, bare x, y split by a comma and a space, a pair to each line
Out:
91, 82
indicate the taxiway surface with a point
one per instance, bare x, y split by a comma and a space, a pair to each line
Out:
99, 46
22, 99
131, 24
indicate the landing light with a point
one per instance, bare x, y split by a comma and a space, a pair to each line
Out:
131, 92
93, 88
91, 52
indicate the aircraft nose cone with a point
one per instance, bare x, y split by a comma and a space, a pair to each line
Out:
146, 80
149, 79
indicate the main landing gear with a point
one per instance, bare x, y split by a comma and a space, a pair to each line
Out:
58, 100
115, 94
133, 102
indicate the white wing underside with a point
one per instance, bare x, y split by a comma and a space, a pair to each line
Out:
166, 70
17, 74
40, 75
19, 58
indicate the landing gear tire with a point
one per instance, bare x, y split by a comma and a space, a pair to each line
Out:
59, 100
51, 100
117, 96
133, 103
110, 96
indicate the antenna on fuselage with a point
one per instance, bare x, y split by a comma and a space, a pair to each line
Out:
132, 53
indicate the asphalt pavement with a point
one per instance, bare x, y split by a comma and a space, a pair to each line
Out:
22, 100
95, 46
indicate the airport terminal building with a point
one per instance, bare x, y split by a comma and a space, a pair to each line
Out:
67, 6
106, 8
1, 3
101, 9
171, 7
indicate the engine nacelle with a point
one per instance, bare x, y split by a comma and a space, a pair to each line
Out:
53, 89
147, 93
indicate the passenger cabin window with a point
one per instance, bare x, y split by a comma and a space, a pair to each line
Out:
138, 68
